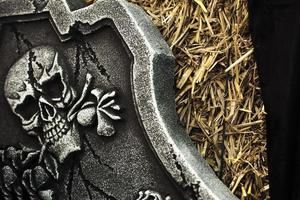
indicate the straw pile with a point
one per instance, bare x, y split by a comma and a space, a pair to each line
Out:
218, 87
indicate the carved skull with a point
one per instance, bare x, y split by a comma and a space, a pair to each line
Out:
38, 91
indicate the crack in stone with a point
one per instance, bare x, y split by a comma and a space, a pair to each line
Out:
85, 51
196, 188
30, 72
89, 185
20, 38
77, 64
70, 181
95, 60
14, 30
85, 182
97, 157
39, 65
190, 189
81, 54
39, 5
107, 196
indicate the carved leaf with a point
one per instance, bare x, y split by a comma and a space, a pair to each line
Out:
51, 166
40, 177
30, 157
26, 180
106, 103
105, 127
2, 156
106, 111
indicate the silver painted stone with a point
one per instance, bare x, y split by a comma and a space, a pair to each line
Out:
86, 93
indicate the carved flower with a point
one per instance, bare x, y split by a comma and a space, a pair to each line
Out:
24, 175
151, 195
104, 111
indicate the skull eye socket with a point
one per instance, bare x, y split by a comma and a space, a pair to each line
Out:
54, 87
28, 108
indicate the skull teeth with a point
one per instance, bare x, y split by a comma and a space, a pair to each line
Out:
55, 130
60, 125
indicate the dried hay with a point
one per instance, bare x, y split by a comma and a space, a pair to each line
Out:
210, 38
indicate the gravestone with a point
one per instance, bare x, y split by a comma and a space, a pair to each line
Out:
87, 107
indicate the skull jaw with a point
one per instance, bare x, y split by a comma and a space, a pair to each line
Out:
66, 145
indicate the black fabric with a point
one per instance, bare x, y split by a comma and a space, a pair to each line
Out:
275, 29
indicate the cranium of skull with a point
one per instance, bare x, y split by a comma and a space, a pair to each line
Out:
38, 91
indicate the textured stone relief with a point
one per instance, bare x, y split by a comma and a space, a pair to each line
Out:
62, 134
151, 195
40, 93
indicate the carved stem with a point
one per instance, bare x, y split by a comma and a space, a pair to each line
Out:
73, 111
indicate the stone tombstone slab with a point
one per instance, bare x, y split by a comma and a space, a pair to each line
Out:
87, 107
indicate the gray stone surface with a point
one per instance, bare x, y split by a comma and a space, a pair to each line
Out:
116, 95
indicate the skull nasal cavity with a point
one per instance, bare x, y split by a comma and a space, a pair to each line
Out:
48, 112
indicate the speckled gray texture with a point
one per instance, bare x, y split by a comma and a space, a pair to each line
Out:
151, 83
